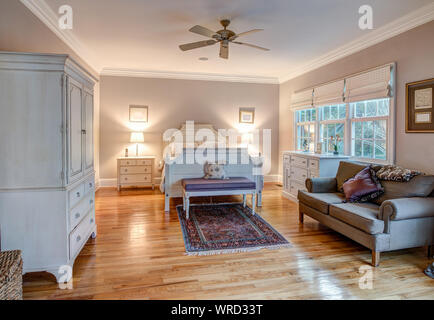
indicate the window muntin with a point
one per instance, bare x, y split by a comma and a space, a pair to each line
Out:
363, 126
305, 120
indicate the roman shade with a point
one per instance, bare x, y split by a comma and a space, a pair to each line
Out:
329, 94
302, 99
374, 84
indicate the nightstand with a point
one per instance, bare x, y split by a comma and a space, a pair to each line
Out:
136, 171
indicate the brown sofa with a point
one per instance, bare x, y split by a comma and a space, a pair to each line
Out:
403, 217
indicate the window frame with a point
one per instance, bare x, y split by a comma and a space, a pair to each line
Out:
301, 124
348, 128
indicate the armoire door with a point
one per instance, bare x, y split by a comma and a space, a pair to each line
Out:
88, 123
75, 132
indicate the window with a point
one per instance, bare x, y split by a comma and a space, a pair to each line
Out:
332, 124
362, 126
370, 129
305, 120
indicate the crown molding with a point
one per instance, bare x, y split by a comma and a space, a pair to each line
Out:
135, 73
412, 20
43, 11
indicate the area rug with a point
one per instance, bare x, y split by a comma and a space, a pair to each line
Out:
226, 228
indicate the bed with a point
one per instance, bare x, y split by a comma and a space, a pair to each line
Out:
237, 161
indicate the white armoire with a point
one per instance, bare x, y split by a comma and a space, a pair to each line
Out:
47, 188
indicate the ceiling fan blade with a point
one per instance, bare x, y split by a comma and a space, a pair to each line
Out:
224, 50
204, 32
244, 33
195, 45
251, 45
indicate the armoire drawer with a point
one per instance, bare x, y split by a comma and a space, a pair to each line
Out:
299, 174
136, 169
80, 235
299, 161
135, 178
76, 195
89, 185
128, 162
80, 211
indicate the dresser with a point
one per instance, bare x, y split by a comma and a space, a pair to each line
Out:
47, 180
298, 166
136, 172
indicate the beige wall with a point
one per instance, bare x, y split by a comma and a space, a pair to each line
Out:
414, 53
21, 31
171, 103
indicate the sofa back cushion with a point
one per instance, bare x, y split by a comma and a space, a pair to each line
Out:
363, 187
419, 186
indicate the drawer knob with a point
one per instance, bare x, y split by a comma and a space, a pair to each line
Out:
126, 170
304, 176
91, 220
304, 162
77, 215
128, 162
91, 201
78, 238
126, 179
90, 184
78, 194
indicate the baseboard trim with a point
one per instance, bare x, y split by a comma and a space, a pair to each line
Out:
271, 178
113, 182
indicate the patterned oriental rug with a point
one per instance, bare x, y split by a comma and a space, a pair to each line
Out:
226, 228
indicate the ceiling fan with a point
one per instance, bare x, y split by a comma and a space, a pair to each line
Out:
224, 36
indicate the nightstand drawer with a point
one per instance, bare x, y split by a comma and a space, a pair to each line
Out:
299, 161
144, 162
128, 162
136, 169
135, 178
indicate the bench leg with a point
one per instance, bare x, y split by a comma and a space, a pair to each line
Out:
260, 199
166, 203
187, 207
253, 203
244, 200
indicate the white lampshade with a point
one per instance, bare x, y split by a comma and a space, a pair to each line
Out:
137, 137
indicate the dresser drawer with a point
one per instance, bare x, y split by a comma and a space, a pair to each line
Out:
80, 211
136, 169
135, 178
76, 195
295, 186
299, 161
128, 162
314, 174
286, 159
144, 162
298, 174
313, 164
81, 233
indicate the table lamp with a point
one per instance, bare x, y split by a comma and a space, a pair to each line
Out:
137, 137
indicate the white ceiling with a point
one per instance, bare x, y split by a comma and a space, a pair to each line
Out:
145, 34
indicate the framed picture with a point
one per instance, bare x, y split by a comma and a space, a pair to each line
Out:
138, 113
247, 115
419, 98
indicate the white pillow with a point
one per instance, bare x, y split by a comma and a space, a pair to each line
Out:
214, 171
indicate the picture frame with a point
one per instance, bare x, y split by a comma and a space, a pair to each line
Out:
139, 113
419, 106
247, 115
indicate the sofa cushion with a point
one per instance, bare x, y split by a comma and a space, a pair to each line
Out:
419, 186
348, 169
362, 216
320, 201
200, 184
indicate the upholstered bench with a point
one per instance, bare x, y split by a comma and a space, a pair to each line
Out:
199, 187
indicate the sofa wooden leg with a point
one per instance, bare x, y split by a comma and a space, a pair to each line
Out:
375, 258
430, 251
301, 217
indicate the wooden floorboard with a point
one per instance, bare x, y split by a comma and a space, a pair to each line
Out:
139, 254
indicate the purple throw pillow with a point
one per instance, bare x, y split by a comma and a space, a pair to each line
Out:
363, 187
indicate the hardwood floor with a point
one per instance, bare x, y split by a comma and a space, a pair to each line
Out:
139, 254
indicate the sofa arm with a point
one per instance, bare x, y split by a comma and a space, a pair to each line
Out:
321, 185
406, 208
